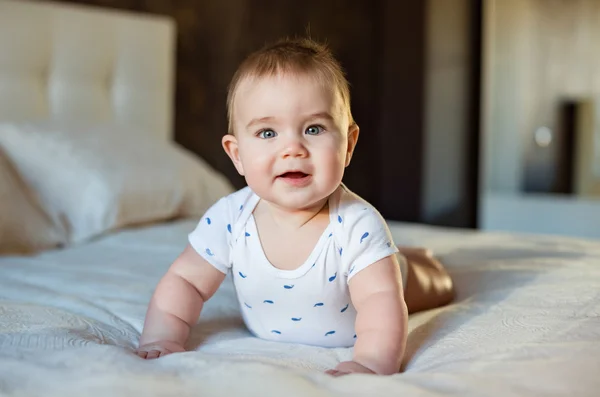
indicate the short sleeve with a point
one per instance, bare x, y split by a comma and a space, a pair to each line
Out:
366, 240
212, 236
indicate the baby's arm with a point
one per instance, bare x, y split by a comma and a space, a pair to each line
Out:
176, 304
382, 319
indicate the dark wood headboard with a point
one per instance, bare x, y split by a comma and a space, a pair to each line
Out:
380, 43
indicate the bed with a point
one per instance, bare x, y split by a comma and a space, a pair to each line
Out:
96, 201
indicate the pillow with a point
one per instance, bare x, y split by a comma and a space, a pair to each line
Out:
24, 227
94, 179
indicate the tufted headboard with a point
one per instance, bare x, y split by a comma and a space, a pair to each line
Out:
67, 62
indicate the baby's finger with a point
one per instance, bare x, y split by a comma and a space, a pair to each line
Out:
142, 353
337, 373
340, 373
153, 354
164, 353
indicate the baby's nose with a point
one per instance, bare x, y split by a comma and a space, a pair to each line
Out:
294, 147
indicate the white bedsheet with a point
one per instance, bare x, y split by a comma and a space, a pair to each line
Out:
526, 322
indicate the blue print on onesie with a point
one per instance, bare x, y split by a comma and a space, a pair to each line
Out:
310, 304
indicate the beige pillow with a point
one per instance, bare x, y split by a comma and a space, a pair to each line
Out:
95, 179
24, 228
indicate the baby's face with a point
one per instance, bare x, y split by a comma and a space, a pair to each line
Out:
292, 139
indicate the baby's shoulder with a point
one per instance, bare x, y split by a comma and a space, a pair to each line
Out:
231, 206
223, 218
361, 233
355, 215
351, 206
239, 199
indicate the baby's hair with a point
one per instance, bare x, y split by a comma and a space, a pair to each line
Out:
297, 56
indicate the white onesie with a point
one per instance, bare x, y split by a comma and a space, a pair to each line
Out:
308, 305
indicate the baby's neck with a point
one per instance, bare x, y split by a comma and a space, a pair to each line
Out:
292, 219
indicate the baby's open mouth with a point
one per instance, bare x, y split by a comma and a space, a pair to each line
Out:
293, 175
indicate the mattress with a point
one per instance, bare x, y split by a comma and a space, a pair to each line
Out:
526, 322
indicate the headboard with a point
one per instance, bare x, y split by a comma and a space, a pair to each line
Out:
66, 62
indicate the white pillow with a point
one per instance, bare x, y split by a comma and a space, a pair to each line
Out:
24, 228
93, 179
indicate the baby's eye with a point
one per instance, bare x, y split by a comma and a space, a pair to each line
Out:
266, 134
314, 130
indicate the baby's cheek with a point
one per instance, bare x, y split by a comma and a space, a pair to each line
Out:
255, 163
336, 165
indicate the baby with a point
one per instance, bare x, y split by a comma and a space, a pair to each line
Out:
312, 262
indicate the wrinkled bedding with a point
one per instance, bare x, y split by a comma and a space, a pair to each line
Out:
526, 322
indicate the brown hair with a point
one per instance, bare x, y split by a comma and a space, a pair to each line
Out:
302, 56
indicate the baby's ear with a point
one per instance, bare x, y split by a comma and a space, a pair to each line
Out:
230, 145
353, 132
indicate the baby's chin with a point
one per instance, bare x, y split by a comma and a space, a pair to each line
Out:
294, 200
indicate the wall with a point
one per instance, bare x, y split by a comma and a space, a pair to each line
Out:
450, 112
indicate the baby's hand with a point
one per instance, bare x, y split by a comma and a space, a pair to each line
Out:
158, 349
349, 367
